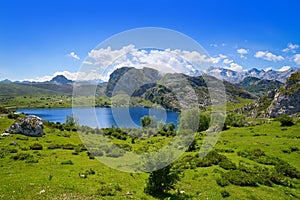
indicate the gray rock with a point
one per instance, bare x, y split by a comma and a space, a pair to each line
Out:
4, 134
29, 125
13, 143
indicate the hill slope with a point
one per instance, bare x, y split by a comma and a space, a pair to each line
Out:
282, 101
258, 86
168, 90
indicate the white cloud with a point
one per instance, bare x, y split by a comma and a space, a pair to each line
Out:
106, 60
234, 67
291, 47
227, 61
268, 56
242, 52
74, 55
284, 68
297, 59
69, 75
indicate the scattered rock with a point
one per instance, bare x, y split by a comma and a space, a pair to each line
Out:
13, 143
42, 191
4, 134
29, 125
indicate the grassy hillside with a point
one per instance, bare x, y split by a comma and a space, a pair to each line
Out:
64, 170
17, 89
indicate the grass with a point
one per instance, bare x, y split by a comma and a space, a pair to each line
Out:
62, 168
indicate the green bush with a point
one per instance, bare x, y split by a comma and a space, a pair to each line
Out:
68, 146
22, 156
222, 182
36, 146
240, 178
204, 121
227, 164
162, 180
285, 120
148, 121
54, 146
235, 120
287, 170
31, 160
225, 194
67, 162
109, 190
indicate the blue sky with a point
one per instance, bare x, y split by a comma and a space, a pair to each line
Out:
37, 38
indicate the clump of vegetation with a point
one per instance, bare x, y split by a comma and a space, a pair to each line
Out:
36, 146
286, 120
22, 156
162, 180
109, 189
13, 116
67, 162
222, 182
54, 146
225, 194
235, 120
240, 178
148, 122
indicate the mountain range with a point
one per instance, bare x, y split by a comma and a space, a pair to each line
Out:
236, 77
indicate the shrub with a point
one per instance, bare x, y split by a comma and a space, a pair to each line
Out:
285, 120
222, 182
240, 178
36, 146
22, 156
225, 194
204, 121
31, 160
67, 162
68, 146
227, 164
115, 153
162, 180
148, 121
95, 152
54, 146
109, 190
13, 116
235, 120
287, 170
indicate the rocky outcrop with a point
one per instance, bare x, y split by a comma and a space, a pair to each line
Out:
29, 125
287, 99
282, 101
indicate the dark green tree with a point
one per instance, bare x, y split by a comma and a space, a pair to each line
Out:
204, 121
71, 121
286, 120
148, 122
162, 180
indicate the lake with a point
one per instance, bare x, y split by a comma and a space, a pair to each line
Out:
104, 117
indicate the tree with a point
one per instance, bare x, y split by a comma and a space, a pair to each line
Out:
286, 120
148, 121
204, 121
70, 120
162, 180
235, 120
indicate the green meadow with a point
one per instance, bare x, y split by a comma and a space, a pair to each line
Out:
253, 162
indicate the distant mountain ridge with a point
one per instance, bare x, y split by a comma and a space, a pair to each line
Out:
258, 86
164, 89
282, 101
236, 77
60, 79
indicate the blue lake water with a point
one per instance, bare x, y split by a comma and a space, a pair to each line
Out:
104, 117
